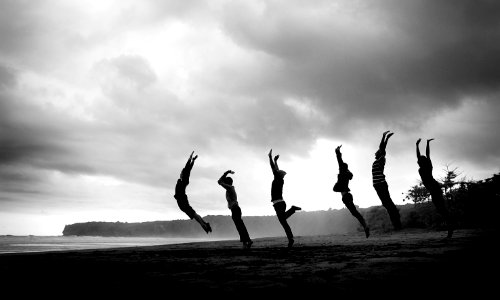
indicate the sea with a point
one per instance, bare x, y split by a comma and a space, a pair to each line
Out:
23, 244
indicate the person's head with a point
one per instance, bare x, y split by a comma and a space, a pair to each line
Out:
228, 180
282, 173
379, 153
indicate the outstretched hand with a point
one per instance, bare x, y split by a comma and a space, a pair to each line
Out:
276, 157
270, 153
230, 171
386, 132
418, 141
430, 140
338, 148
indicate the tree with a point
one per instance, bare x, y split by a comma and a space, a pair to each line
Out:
418, 194
448, 181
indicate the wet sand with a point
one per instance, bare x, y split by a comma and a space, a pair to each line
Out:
406, 264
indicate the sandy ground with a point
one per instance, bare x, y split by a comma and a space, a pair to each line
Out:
406, 264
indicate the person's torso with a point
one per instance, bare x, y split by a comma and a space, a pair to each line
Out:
231, 196
378, 171
425, 168
180, 188
277, 188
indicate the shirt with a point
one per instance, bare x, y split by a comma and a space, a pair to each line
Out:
378, 170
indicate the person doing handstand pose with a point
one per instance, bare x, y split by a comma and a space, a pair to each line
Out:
277, 198
232, 204
380, 184
342, 186
181, 197
434, 188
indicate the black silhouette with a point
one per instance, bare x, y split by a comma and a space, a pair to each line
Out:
434, 188
232, 204
342, 186
181, 197
380, 184
277, 198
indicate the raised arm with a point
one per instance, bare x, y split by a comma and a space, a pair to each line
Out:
382, 141
387, 139
418, 150
339, 155
221, 180
428, 149
276, 157
273, 166
189, 163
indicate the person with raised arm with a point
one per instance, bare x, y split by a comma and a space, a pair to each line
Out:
181, 197
342, 186
380, 184
232, 203
434, 188
277, 197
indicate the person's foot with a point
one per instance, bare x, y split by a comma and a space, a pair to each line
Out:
249, 244
208, 228
295, 208
290, 243
367, 232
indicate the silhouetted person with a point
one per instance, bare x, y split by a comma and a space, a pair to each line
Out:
181, 197
380, 184
342, 186
277, 197
434, 188
232, 204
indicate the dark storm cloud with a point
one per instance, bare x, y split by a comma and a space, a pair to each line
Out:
378, 61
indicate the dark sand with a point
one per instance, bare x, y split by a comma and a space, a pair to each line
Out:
406, 264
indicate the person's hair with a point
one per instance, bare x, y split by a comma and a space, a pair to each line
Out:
228, 180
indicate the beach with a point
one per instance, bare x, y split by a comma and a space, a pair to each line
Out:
394, 265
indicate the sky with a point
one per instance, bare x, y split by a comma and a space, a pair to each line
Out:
102, 102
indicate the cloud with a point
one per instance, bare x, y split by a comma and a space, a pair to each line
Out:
395, 62
125, 90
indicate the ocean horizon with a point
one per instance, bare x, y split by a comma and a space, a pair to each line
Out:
33, 243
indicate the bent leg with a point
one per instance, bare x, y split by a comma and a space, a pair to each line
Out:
281, 214
349, 203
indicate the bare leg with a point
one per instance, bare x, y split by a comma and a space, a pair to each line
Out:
348, 201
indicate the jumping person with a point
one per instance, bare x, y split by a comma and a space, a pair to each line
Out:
434, 188
277, 198
232, 204
181, 197
380, 184
342, 186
